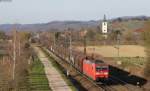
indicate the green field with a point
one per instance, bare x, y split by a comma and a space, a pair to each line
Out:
37, 77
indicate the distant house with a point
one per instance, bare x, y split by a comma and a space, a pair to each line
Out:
140, 30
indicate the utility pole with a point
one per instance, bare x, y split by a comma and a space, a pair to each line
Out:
118, 42
70, 46
93, 53
85, 44
19, 46
70, 53
65, 45
54, 45
54, 38
14, 53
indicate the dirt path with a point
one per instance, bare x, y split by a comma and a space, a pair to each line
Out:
56, 82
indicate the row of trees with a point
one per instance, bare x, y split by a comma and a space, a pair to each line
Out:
95, 37
14, 71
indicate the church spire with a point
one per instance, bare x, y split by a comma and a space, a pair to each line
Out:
105, 17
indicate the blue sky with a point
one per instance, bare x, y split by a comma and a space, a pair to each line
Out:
40, 11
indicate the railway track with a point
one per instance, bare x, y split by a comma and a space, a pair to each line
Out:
100, 85
122, 83
128, 86
106, 87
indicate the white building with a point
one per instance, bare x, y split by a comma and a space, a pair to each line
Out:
104, 26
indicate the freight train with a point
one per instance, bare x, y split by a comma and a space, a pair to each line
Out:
92, 68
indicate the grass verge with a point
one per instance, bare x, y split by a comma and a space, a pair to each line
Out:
131, 61
37, 78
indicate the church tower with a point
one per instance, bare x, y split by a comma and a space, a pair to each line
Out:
104, 25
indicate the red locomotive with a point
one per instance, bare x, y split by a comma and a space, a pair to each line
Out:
95, 69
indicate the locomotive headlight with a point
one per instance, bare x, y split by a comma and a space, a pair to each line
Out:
97, 73
105, 73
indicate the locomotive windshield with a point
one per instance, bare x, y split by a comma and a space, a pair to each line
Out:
101, 68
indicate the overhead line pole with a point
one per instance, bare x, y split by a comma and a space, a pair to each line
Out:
19, 46
14, 54
70, 43
54, 42
54, 38
85, 43
70, 53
